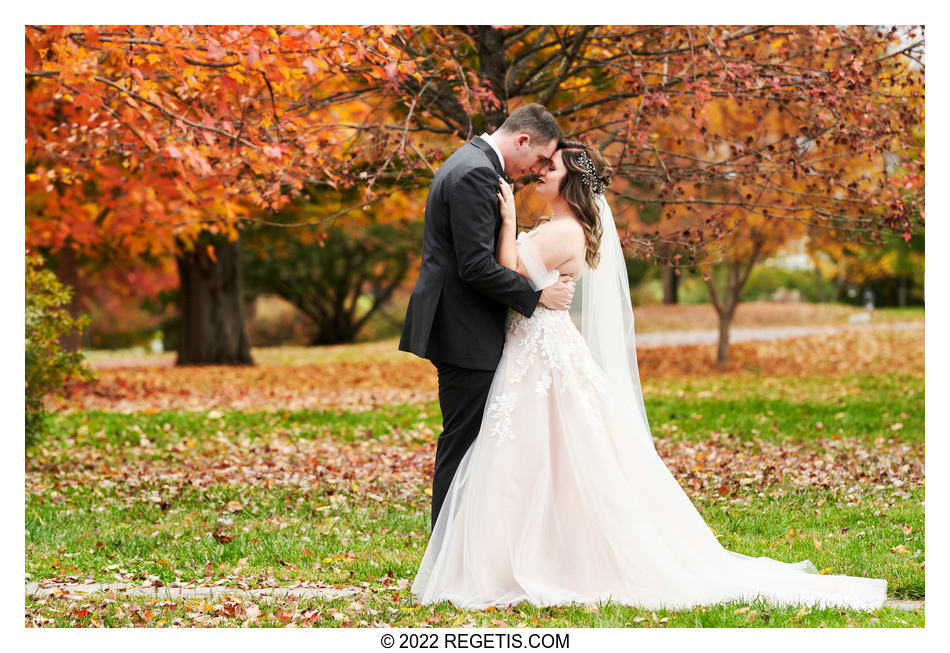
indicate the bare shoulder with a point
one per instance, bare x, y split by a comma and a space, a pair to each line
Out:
560, 241
570, 233
562, 228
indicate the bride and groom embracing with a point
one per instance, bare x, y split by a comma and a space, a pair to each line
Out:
547, 486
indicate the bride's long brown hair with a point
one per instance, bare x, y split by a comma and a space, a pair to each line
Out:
580, 196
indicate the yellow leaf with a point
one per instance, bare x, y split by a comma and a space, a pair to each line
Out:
824, 571
741, 610
815, 541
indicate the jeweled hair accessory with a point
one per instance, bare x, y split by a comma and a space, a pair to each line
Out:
590, 176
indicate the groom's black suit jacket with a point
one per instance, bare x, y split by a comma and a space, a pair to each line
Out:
457, 310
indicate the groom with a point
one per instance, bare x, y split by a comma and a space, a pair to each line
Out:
456, 314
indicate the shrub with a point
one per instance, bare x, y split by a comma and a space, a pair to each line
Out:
48, 366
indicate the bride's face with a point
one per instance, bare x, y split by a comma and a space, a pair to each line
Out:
550, 176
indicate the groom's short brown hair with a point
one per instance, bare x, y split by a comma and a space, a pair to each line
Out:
534, 119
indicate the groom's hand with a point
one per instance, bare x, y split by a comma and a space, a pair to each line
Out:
558, 296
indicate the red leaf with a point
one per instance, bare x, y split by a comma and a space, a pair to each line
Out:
253, 54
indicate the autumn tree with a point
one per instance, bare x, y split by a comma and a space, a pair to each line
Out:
159, 140
220, 117
736, 136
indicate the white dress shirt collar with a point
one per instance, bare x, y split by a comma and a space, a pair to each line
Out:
487, 137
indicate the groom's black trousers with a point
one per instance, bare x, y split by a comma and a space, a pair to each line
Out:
462, 396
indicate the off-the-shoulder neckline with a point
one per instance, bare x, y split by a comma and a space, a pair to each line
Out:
538, 226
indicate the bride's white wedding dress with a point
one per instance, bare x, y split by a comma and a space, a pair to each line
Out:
563, 498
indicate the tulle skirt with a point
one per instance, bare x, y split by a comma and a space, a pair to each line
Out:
563, 499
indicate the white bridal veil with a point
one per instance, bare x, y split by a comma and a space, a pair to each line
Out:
603, 313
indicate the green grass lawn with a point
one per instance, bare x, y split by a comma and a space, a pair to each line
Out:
789, 409
341, 498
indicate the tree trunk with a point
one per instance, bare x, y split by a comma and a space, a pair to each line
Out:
670, 286
493, 65
722, 352
213, 330
728, 310
68, 274
820, 285
726, 307
902, 292
840, 280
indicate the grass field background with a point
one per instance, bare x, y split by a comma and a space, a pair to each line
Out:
314, 470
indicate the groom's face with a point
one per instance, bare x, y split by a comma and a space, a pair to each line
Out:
530, 156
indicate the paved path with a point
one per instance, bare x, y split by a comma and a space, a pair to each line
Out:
79, 591
711, 336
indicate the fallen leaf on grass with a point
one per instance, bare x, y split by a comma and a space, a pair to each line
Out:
371, 382
221, 537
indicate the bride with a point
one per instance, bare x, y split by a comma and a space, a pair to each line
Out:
562, 497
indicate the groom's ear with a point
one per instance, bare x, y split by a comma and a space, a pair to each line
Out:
523, 140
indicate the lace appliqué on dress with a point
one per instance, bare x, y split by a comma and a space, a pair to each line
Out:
545, 351
499, 416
